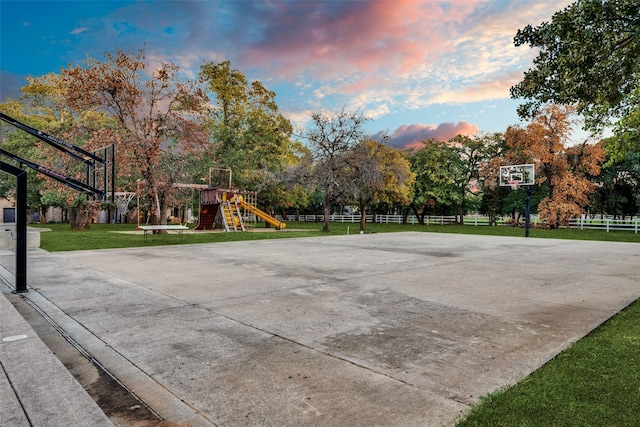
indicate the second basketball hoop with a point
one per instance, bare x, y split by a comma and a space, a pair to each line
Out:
518, 175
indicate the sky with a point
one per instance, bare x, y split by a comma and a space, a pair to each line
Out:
418, 69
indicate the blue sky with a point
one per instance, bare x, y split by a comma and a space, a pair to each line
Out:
418, 69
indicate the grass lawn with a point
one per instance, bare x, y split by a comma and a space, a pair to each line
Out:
596, 382
104, 236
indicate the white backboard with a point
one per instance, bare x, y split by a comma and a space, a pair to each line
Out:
522, 174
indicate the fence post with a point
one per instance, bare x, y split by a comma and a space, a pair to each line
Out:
607, 225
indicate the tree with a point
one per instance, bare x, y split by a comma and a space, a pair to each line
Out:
436, 167
41, 105
247, 130
588, 56
626, 135
473, 152
334, 134
22, 144
566, 171
377, 174
297, 179
156, 113
618, 185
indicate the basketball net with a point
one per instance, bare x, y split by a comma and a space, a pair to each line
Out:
122, 200
514, 184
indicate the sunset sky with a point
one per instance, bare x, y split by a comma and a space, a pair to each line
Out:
419, 69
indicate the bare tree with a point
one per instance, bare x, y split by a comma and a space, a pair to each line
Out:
334, 134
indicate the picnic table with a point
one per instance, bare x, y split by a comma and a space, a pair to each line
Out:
147, 229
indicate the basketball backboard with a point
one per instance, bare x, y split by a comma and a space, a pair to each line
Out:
517, 175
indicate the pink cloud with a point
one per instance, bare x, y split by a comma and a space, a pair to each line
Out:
333, 38
411, 136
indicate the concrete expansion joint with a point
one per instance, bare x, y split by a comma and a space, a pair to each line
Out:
317, 350
7, 375
143, 387
85, 353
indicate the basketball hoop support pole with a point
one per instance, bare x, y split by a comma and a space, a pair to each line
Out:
526, 210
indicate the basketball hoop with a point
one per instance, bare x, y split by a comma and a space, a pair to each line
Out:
122, 199
514, 184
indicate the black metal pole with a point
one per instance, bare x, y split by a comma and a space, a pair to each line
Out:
21, 233
526, 211
21, 224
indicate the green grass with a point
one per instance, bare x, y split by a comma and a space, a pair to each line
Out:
104, 236
596, 382
108, 236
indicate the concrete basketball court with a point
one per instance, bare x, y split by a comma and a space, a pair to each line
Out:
403, 329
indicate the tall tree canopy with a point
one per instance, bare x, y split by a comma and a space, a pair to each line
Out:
437, 166
565, 170
332, 136
247, 130
156, 111
589, 56
377, 173
474, 152
42, 106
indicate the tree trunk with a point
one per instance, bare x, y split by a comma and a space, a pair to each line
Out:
267, 211
363, 215
327, 213
162, 217
79, 217
420, 217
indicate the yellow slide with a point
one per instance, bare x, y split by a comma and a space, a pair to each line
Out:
279, 225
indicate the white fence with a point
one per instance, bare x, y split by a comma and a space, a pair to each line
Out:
475, 220
607, 224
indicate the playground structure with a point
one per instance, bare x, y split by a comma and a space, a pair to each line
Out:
237, 208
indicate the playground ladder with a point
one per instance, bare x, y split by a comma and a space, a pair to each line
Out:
232, 217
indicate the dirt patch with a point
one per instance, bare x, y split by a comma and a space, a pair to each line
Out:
122, 408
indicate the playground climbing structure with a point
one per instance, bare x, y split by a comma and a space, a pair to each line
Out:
237, 209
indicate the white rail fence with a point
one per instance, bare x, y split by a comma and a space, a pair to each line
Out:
475, 220
608, 224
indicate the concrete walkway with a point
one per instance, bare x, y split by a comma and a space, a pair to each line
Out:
400, 329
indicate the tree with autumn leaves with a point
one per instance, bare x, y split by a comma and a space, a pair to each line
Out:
375, 174
158, 115
42, 106
564, 172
